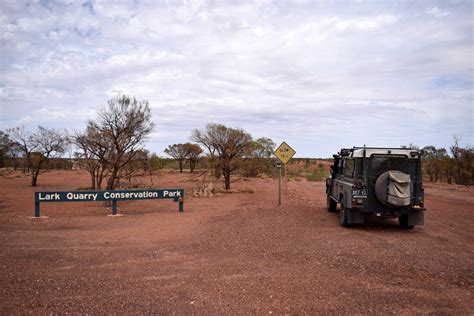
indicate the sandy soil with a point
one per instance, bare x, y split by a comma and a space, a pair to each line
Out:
230, 254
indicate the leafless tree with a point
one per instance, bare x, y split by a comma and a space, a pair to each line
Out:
39, 146
124, 124
225, 144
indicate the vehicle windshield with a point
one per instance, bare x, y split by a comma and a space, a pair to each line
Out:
380, 164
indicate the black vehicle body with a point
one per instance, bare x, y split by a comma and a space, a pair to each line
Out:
385, 182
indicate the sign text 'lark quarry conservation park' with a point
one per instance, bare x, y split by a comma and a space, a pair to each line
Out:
116, 195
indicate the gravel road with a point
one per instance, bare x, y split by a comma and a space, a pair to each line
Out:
230, 254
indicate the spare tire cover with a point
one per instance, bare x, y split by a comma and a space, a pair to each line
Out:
382, 189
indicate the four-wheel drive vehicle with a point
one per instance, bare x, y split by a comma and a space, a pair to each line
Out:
385, 182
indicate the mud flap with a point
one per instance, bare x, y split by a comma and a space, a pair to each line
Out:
354, 217
416, 218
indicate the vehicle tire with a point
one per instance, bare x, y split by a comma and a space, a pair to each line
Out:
343, 215
381, 188
403, 220
331, 205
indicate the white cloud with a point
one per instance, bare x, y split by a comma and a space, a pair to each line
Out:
437, 12
294, 70
364, 23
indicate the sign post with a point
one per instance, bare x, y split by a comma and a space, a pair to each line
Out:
278, 165
177, 195
284, 153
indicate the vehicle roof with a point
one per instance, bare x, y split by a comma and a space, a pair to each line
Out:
358, 152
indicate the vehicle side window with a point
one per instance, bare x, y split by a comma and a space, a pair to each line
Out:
349, 168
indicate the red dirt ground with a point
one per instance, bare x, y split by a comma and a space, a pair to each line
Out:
230, 254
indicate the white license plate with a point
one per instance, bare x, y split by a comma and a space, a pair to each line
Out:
359, 193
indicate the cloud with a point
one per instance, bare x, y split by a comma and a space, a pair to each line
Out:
437, 12
296, 71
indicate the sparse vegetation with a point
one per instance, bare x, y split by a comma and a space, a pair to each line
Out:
440, 167
318, 175
258, 159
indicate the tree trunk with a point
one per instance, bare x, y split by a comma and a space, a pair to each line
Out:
180, 166
217, 171
34, 177
100, 177
92, 173
227, 181
111, 181
227, 178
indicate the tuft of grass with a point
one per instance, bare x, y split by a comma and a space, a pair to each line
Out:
5, 171
247, 190
223, 191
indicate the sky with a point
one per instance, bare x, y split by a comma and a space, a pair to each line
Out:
320, 75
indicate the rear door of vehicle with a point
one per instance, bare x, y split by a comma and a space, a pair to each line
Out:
379, 164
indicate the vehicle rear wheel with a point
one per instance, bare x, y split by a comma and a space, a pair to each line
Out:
403, 220
343, 215
331, 205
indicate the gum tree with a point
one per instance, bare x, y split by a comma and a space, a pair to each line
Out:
123, 125
39, 146
193, 153
177, 152
225, 146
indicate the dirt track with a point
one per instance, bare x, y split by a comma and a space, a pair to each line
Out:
230, 254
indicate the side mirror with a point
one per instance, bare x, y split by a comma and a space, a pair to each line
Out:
331, 169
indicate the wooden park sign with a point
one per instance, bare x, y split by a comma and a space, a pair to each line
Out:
113, 195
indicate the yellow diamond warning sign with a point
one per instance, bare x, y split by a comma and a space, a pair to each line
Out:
284, 152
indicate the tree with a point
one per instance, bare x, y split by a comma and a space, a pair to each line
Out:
193, 152
263, 147
93, 154
257, 159
5, 144
156, 163
13, 154
179, 153
433, 161
139, 165
463, 163
39, 146
123, 124
224, 144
